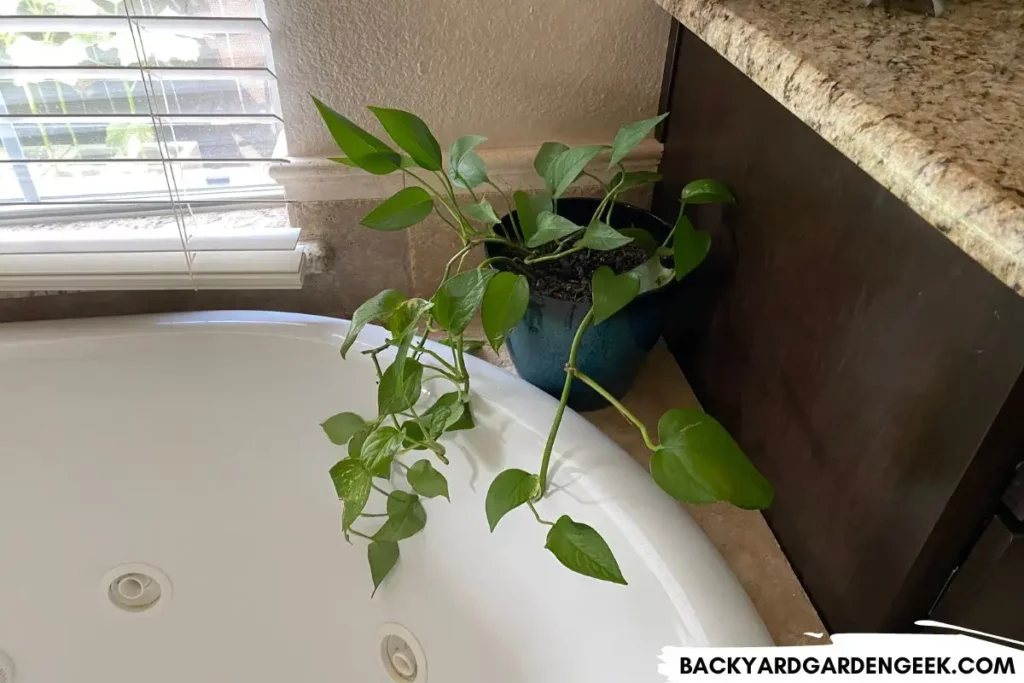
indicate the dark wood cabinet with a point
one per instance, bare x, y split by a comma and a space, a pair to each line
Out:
870, 368
986, 592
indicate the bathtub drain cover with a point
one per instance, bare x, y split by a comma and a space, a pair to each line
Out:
137, 588
401, 655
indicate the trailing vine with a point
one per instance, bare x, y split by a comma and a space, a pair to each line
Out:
694, 459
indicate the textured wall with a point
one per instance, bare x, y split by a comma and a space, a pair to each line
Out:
516, 71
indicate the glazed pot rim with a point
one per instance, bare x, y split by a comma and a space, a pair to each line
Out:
594, 200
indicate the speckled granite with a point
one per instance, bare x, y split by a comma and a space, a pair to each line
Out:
932, 108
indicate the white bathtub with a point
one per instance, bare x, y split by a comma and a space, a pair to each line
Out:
190, 444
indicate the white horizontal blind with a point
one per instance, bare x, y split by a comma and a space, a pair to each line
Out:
165, 111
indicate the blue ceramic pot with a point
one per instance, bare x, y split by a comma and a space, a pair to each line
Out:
611, 352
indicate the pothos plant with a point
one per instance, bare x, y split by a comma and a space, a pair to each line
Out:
694, 459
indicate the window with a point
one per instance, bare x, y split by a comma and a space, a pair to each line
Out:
127, 128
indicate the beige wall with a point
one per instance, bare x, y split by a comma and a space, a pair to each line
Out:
518, 71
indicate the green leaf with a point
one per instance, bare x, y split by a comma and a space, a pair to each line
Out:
565, 168
551, 227
465, 167
580, 548
642, 239
452, 408
397, 393
411, 134
505, 301
509, 490
456, 301
483, 212
546, 154
464, 422
355, 445
379, 450
611, 292
340, 428
706, 191
427, 481
406, 517
438, 419
689, 247
379, 307
602, 237
528, 207
382, 555
699, 462
407, 207
352, 481
362, 149
630, 135
413, 433
350, 476
461, 417
406, 316
632, 179
651, 275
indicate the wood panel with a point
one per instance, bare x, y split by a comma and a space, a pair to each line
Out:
859, 356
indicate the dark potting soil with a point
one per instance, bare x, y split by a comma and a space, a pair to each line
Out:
568, 278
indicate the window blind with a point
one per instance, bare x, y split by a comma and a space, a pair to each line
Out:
131, 131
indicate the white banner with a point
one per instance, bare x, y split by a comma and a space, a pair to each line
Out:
855, 657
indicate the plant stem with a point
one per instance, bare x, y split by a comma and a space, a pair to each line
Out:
462, 363
537, 514
377, 349
418, 351
360, 534
449, 371
376, 364
462, 260
553, 257
618, 406
402, 464
450, 189
379, 489
453, 211
491, 259
682, 205
607, 198
573, 352
431, 441
461, 252
372, 514
599, 181
511, 212
450, 224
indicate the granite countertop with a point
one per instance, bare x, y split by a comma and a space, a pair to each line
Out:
932, 108
741, 536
